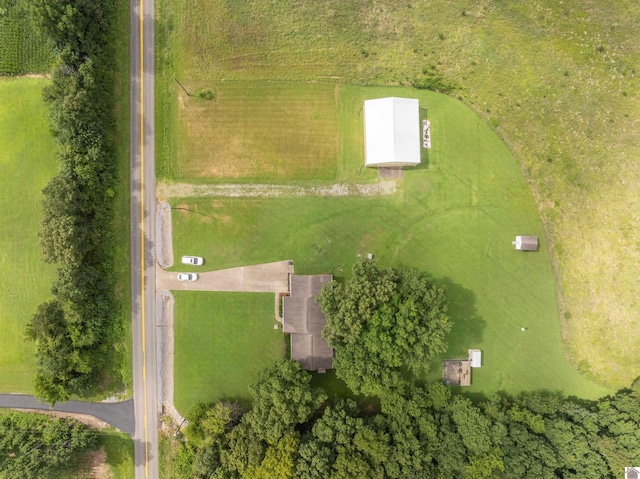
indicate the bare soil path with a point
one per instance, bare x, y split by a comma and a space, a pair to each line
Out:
167, 190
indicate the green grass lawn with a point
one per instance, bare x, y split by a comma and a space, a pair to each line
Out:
119, 449
27, 162
558, 82
222, 340
121, 366
454, 218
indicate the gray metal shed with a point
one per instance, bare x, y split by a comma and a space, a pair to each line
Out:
526, 243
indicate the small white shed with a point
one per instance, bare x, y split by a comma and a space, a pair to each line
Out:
392, 132
526, 243
475, 356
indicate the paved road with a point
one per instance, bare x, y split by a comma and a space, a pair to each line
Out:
142, 241
118, 414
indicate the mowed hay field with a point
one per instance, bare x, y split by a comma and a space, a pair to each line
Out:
222, 341
454, 219
257, 130
27, 162
557, 81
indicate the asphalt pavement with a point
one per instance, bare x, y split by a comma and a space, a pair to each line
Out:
117, 414
145, 378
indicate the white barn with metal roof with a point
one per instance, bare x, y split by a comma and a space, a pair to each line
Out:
392, 132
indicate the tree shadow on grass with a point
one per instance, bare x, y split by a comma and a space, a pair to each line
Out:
468, 327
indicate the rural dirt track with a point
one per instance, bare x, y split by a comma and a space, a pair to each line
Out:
167, 190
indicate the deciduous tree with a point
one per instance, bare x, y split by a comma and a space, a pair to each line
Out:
383, 321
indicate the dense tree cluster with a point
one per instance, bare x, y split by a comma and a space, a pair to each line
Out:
37, 446
420, 431
73, 332
381, 323
261, 443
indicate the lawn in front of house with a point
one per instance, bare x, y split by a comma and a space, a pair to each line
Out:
453, 217
222, 340
27, 163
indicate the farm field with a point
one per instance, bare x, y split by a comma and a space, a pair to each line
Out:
27, 159
454, 219
557, 82
22, 48
222, 340
233, 136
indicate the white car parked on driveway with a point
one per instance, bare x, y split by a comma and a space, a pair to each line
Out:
194, 260
187, 276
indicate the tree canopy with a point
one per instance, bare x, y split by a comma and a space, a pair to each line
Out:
36, 446
418, 431
383, 321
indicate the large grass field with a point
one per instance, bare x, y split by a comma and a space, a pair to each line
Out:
27, 162
453, 218
558, 82
222, 340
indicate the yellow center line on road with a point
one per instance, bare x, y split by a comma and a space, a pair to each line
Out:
142, 294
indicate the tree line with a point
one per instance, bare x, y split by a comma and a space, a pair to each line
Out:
74, 332
418, 432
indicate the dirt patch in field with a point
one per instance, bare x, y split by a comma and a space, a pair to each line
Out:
164, 241
86, 419
94, 464
167, 190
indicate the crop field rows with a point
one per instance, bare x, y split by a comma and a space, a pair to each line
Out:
22, 49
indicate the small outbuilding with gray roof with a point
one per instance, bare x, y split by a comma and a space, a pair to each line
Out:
526, 243
304, 320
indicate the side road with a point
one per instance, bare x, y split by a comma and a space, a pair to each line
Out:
117, 414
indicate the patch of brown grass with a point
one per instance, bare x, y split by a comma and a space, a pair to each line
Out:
259, 130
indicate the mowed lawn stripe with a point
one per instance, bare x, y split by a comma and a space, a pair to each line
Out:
222, 340
251, 130
27, 163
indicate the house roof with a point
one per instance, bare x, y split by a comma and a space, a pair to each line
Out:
392, 132
304, 321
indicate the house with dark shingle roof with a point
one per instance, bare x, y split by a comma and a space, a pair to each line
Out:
304, 320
